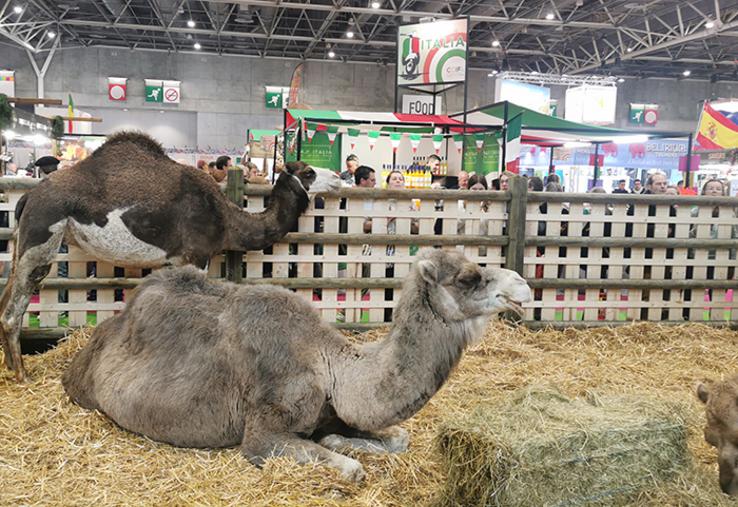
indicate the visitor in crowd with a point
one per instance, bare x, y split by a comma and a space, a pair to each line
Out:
477, 182
504, 181
434, 163
637, 187
365, 177
46, 165
463, 179
347, 176
621, 188
535, 184
552, 178
713, 187
253, 175
396, 180
671, 190
202, 165
553, 186
222, 164
656, 184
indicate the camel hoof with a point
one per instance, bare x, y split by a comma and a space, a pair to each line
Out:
353, 471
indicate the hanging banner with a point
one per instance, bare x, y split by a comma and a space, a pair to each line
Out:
319, 153
117, 88
7, 82
479, 141
332, 131
277, 97
483, 161
154, 88
718, 127
415, 142
459, 142
310, 129
432, 53
395, 138
171, 92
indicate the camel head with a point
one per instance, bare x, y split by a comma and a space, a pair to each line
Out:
721, 430
459, 290
313, 179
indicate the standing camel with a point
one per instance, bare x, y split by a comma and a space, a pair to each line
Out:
197, 362
130, 204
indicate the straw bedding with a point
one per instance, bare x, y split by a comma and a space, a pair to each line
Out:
54, 453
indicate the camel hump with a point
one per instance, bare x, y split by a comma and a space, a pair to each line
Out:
19, 207
138, 139
185, 280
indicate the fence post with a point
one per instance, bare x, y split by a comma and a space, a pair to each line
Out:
516, 224
234, 192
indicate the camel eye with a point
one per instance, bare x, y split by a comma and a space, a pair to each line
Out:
468, 279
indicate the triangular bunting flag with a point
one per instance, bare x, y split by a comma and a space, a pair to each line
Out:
332, 131
512, 145
395, 138
437, 140
459, 142
479, 140
415, 141
353, 136
310, 130
372, 136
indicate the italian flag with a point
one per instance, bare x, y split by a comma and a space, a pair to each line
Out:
512, 144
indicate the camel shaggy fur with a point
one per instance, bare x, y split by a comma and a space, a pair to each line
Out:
130, 204
721, 430
202, 363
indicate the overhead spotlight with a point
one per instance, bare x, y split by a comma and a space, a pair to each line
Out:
191, 24
535, 72
629, 50
376, 5
50, 35
17, 9
197, 45
331, 54
550, 16
709, 24
495, 43
350, 34
621, 80
687, 73
161, 111
493, 73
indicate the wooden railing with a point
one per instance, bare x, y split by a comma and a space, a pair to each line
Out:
592, 259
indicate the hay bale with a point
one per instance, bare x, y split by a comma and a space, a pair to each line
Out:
539, 447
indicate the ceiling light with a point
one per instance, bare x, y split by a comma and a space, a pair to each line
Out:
621, 80
629, 50
709, 24
50, 35
160, 111
125, 109
495, 43
535, 72
197, 45
331, 54
350, 34
550, 16
376, 5
492, 73
191, 24
686, 73
17, 9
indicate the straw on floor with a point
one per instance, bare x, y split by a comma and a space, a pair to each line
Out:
55, 453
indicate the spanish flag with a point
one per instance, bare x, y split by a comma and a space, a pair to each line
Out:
70, 114
716, 131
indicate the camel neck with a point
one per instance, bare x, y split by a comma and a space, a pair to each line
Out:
257, 231
388, 382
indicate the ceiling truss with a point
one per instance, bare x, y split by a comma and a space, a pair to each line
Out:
654, 38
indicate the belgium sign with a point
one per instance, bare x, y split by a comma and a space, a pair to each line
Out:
432, 53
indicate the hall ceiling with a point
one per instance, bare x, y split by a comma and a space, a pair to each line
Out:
647, 38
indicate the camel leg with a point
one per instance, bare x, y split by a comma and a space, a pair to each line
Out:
259, 445
389, 440
29, 269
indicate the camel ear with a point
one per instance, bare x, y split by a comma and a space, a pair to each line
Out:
293, 167
702, 392
428, 271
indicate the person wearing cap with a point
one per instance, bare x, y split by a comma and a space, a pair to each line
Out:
347, 176
46, 165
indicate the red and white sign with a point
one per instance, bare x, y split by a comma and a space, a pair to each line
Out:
171, 92
650, 116
117, 88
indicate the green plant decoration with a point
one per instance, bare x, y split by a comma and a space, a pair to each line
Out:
57, 127
6, 113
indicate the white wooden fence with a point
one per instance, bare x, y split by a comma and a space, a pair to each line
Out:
592, 259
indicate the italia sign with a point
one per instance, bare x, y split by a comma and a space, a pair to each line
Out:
432, 53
